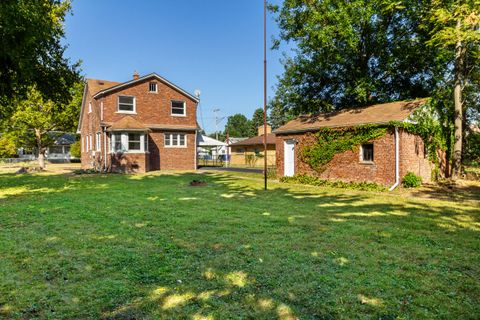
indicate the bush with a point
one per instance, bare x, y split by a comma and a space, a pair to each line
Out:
314, 181
75, 149
411, 180
7, 148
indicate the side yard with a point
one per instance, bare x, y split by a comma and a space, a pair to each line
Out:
150, 246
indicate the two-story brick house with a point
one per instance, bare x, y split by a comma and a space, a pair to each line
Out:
144, 124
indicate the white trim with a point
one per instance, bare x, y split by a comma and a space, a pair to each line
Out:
154, 75
101, 110
178, 145
156, 87
397, 161
126, 111
98, 141
373, 154
90, 107
125, 142
105, 148
82, 108
176, 114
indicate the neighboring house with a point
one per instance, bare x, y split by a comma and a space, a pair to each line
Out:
144, 124
376, 161
59, 151
250, 152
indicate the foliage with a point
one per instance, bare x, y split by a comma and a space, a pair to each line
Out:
7, 147
36, 122
411, 180
353, 53
333, 141
75, 149
162, 250
238, 126
315, 181
250, 160
32, 52
472, 148
257, 121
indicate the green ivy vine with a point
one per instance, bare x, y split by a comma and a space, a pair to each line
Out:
330, 141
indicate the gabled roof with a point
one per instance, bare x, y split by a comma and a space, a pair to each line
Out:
148, 76
255, 141
128, 123
377, 114
96, 85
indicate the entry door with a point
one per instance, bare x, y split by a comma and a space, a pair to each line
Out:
289, 158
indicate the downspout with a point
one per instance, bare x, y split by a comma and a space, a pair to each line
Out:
105, 148
195, 152
397, 161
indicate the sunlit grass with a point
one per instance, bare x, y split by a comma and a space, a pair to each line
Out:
150, 246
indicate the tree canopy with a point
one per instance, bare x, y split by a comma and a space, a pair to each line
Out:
31, 52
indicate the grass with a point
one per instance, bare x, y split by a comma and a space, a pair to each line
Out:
151, 247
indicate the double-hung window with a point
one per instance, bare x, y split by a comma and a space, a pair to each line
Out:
117, 142
98, 141
126, 104
178, 108
175, 140
134, 142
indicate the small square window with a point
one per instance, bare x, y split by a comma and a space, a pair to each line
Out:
367, 152
152, 87
178, 108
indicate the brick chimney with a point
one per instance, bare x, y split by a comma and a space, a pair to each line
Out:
260, 130
135, 75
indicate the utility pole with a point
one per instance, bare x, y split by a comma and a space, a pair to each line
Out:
265, 92
216, 110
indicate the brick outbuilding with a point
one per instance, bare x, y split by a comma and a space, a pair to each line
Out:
144, 124
384, 160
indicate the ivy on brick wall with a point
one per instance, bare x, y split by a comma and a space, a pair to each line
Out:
331, 141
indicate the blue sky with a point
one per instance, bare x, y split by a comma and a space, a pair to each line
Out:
215, 46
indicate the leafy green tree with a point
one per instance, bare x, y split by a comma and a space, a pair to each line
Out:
31, 52
238, 126
455, 27
36, 120
257, 121
353, 53
7, 147
75, 149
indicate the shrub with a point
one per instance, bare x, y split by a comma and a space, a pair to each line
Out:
314, 181
411, 180
75, 149
7, 148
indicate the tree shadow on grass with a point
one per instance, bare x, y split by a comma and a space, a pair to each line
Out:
151, 246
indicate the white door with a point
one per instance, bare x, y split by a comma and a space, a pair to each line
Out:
289, 158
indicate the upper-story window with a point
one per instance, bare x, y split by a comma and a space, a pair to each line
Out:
126, 104
152, 87
178, 108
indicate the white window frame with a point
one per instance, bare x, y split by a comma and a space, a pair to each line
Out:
150, 87
124, 142
90, 107
127, 111
176, 114
83, 144
90, 144
170, 135
98, 141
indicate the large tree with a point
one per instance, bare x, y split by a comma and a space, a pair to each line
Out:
36, 122
455, 27
257, 121
353, 53
31, 52
238, 126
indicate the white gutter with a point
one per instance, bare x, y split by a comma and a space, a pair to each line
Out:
397, 161
195, 152
105, 148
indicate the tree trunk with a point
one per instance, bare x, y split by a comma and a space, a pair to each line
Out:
41, 149
458, 114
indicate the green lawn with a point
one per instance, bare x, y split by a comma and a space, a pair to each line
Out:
151, 247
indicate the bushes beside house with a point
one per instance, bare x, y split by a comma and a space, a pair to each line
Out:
411, 180
315, 181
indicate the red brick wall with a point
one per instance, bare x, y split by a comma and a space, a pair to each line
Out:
130, 162
171, 158
90, 125
348, 167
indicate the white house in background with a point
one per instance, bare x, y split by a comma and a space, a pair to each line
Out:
58, 152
